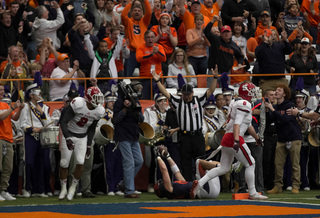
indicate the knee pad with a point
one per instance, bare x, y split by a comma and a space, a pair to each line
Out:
64, 163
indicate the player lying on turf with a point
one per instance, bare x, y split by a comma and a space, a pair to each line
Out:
181, 189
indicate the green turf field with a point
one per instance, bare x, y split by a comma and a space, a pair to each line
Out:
307, 197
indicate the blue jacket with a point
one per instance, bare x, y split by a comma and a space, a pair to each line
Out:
126, 124
288, 128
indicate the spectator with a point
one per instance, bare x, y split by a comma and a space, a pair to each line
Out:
262, 5
156, 11
264, 23
179, 64
150, 55
6, 140
209, 8
271, 59
42, 27
314, 20
126, 133
124, 53
47, 58
299, 33
104, 61
270, 143
234, 10
58, 88
13, 68
79, 52
197, 46
304, 61
223, 49
290, 21
189, 111
165, 36
119, 7
188, 17
289, 139
135, 28
9, 34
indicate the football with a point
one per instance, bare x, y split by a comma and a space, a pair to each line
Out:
163, 150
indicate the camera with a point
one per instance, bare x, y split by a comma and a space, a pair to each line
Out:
127, 92
266, 100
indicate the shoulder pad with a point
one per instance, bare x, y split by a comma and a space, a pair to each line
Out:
77, 103
100, 111
243, 105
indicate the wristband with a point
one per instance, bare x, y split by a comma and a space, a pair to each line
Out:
88, 146
157, 80
236, 140
215, 77
11, 108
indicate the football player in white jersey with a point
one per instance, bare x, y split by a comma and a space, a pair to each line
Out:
233, 144
78, 122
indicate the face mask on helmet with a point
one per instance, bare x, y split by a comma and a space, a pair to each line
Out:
157, 189
94, 96
247, 91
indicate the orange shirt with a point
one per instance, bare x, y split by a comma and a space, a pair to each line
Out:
188, 19
20, 70
118, 61
145, 57
135, 29
51, 55
164, 39
251, 46
5, 125
305, 7
210, 12
294, 36
259, 31
238, 79
182, 34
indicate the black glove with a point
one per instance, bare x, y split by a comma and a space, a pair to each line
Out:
236, 146
259, 142
88, 153
70, 144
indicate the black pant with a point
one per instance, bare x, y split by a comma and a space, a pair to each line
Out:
191, 147
269, 149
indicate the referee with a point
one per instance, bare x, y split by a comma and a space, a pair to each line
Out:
189, 110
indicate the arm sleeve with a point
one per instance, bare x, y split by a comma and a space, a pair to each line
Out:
262, 123
91, 132
208, 33
66, 116
89, 46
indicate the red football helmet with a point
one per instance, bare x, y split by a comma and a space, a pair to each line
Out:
94, 96
248, 91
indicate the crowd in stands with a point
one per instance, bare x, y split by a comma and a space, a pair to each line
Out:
93, 39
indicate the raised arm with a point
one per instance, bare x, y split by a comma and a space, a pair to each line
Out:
161, 87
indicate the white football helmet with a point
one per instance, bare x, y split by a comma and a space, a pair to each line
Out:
94, 96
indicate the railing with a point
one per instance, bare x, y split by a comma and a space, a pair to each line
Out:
163, 77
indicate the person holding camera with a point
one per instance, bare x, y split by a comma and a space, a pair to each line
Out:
126, 118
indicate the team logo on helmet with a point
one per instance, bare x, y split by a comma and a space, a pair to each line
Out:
247, 91
94, 96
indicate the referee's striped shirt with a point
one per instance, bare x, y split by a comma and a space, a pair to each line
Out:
189, 114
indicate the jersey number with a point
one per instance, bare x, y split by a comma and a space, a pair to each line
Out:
136, 29
82, 121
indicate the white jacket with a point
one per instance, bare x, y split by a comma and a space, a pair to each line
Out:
47, 28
